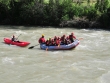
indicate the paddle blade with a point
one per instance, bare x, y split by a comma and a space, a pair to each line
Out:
31, 47
80, 38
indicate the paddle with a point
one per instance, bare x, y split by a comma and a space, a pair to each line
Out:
80, 38
33, 46
18, 37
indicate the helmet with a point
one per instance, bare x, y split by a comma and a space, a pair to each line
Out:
13, 36
63, 35
72, 33
67, 37
43, 35
55, 37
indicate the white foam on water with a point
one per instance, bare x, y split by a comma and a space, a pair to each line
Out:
87, 63
105, 78
20, 32
7, 60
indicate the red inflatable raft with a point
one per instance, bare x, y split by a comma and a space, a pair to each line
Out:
17, 43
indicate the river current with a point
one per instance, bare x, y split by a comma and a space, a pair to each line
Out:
89, 62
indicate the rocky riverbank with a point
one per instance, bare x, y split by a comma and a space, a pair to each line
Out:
81, 23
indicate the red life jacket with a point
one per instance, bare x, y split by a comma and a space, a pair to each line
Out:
42, 40
47, 43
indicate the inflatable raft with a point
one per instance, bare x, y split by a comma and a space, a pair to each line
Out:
17, 43
60, 47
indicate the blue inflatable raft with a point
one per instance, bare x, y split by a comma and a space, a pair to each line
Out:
61, 47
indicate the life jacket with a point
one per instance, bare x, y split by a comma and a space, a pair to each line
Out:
53, 42
62, 40
57, 42
71, 38
42, 40
50, 42
55, 38
47, 43
13, 39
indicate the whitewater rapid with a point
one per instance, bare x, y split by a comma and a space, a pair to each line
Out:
89, 62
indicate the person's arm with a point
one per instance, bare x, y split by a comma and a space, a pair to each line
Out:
74, 37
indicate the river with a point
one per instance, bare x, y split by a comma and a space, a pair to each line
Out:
89, 62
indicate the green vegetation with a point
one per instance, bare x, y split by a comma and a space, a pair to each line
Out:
53, 12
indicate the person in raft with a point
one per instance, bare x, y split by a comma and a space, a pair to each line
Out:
72, 37
42, 40
63, 40
49, 42
13, 39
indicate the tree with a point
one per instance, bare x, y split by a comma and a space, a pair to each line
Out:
102, 5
